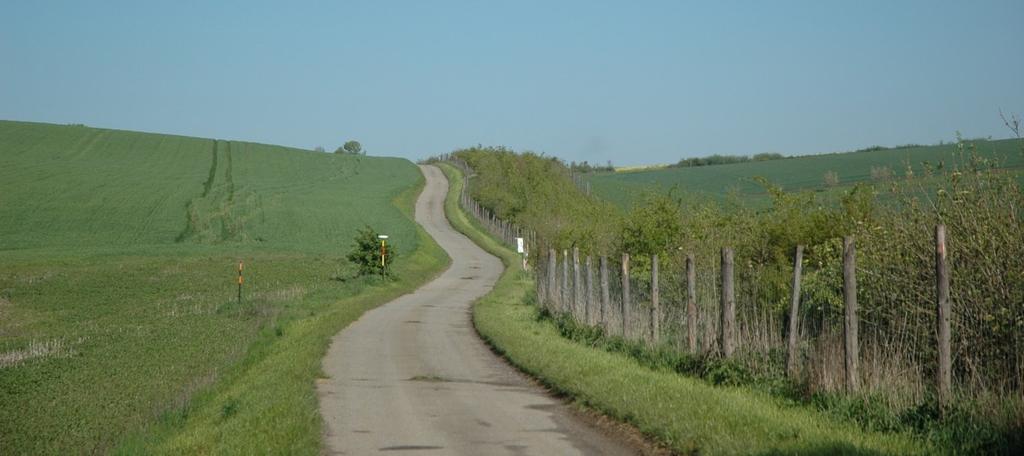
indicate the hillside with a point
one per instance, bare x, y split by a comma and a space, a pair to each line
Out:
795, 173
118, 269
95, 188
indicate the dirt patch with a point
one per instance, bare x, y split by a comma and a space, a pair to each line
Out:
428, 378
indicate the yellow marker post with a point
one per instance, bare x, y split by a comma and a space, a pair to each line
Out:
240, 280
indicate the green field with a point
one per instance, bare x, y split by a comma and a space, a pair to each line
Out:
794, 173
119, 325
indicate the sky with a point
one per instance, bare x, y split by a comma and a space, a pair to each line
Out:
631, 82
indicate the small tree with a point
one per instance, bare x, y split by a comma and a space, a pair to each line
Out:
366, 253
351, 148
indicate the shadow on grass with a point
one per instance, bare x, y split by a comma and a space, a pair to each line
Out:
831, 448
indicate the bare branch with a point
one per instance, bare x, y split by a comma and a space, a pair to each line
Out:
1013, 123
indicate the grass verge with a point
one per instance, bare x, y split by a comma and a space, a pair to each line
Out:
686, 414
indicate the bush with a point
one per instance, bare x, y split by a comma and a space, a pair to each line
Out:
366, 252
831, 179
718, 159
881, 172
532, 190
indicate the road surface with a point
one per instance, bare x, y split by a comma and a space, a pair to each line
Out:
412, 375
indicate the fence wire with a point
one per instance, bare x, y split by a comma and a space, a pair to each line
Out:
896, 340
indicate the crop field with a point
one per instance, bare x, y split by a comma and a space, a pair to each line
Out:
796, 173
118, 269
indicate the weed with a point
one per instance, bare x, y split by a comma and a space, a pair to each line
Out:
229, 409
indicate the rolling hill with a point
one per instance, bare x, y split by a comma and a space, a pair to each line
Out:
794, 173
118, 267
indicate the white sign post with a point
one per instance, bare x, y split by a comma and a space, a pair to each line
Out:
521, 248
383, 252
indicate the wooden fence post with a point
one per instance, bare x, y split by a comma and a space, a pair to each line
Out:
624, 311
794, 308
552, 279
945, 379
852, 350
655, 302
691, 304
541, 283
566, 285
577, 283
588, 297
728, 304
605, 295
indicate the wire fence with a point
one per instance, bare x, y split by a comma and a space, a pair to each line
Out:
866, 340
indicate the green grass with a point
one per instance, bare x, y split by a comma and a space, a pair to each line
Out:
267, 403
796, 173
688, 415
119, 327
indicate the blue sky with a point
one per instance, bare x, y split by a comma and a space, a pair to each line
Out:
631, 82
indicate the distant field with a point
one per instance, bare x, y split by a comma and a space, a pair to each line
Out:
118, 255
796, 173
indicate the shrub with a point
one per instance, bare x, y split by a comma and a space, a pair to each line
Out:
831, 178
532, 190
366, 253
881, 172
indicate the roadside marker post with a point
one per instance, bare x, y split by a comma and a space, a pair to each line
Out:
521, 248
240, 280
383, 253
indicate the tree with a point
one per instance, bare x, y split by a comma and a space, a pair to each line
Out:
654, 227
366, 253
351, 148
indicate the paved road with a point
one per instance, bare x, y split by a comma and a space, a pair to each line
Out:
412, 374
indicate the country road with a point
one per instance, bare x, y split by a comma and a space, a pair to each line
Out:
413, 375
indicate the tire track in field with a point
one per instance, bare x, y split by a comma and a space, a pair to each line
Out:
191, 208
222, 211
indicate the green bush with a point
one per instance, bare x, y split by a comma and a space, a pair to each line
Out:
538, 192
366, 253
